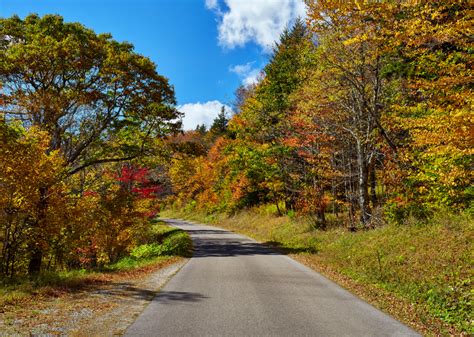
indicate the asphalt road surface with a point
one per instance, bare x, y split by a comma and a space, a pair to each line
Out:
234, 286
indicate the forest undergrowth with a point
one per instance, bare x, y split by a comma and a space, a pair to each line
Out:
165, 245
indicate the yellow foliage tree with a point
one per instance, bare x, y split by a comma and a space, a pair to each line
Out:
25, 168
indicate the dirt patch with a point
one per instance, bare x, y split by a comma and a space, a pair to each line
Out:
105, 306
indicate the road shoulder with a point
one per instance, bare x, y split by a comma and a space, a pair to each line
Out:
106, 307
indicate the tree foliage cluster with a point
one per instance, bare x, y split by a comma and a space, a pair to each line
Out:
363, 112
80, 117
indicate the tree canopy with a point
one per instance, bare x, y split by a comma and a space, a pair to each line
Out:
72, 102
98, 99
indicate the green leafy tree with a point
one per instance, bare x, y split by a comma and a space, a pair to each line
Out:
201, 129
265, 109
219, 125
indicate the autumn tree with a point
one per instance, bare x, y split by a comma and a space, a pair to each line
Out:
126, 199
25, 166
263, 114
99, 101
367, 111
430, 69
348, 87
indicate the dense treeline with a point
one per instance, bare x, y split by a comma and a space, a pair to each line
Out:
363, 114
80, 117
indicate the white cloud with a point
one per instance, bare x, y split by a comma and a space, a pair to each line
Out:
252, 77
242, 69
246, 72
211, 4
260, 21
300, 9
200, 113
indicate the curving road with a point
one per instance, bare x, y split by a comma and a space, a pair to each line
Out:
234, 286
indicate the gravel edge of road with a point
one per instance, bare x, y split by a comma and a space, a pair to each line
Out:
101, 309
116, 321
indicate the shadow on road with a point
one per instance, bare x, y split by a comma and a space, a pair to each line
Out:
206, 247
170, 297
223, 243
125, 289
208, 231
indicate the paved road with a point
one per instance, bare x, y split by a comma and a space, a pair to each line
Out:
234, 286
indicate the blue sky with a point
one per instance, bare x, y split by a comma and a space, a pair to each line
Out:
206, 48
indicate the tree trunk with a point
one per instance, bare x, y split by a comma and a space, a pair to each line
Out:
373, 184
321, 219
290, 203
5, 250
278, 208
363, 170
350, 198
36, 257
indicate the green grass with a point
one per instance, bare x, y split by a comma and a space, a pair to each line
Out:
424, 262
427, 264
14, 291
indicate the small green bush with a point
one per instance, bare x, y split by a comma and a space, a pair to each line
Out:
146, 251
178, 243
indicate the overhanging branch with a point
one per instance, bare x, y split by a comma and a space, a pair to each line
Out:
102, 161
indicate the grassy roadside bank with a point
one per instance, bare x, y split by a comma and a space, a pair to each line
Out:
420, 272
169, 246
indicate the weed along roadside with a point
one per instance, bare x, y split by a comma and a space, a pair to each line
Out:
419, 273
94, 302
